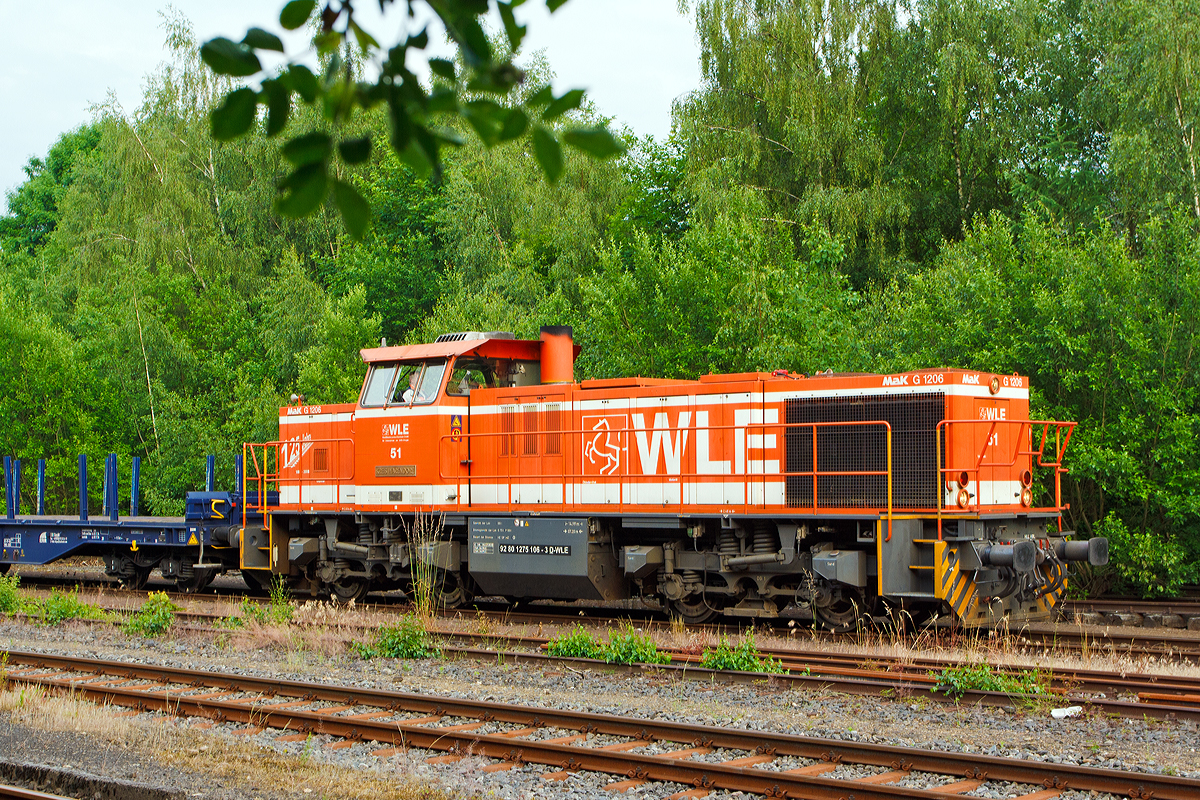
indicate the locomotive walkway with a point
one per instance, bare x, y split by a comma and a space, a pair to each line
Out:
768, 764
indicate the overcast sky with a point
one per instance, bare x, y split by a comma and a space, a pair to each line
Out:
633, 56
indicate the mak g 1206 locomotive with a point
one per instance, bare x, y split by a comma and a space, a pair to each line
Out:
479, 457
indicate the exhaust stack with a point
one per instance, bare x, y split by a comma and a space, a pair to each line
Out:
558, 354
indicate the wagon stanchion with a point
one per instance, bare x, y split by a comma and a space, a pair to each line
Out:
16, 487
41, 487
8, 487
135, 485
83, 490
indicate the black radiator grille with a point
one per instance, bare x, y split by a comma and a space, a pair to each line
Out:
863, 448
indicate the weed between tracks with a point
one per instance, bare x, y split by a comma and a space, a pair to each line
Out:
626, 645
58, 607
154, 618
206, 759
742, 657
406, 639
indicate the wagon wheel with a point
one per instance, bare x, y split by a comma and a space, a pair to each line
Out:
197, 581
694, 609
128, 573
348, 590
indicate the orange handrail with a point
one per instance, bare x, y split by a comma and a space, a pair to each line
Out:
979, 465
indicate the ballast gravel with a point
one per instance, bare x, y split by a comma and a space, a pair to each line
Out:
1125, 744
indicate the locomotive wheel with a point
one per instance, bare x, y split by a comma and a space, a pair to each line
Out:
838, 608
451, 590
4, 569
694, 610
255, 587
348, 590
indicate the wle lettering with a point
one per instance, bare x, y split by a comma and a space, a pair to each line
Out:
668, 445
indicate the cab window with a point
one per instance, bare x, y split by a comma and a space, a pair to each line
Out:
469, 374
379, 385
409, 383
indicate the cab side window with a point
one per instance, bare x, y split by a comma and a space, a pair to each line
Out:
470, 374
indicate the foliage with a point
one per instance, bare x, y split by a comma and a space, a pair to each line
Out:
154, 618
62, 606
10, 595
279, 603
743, 657
624, 646
248, 612
627, 646
278, 610
957, 681
1146, 564
479, 92
577, 643
406, 639
1108, 339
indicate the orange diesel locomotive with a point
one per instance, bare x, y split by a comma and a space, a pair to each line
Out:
479, 457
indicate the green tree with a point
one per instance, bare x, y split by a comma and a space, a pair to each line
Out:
1149, 103
332, 370
33, 208
783, 112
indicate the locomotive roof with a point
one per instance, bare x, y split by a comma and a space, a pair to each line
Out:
527, 349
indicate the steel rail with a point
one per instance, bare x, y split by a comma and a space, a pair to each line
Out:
20, 793
400, 733
1184, 607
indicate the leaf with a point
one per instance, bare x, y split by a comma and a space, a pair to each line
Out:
554, 5
543, 96
303, 82
235, 115
306, 188
307, 149
279, 105
355, 151
355, 211
262, 40
401, 129
514, 31
443, 101
296, 13
515, 124
365, 40
471, 39
597, 141
418, 41
487, 118
568, 102
548, 152
442, 68
229, 58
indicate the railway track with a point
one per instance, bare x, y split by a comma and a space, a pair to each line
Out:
1138, 643
1119, 694
697, 759
1186, 607
19, 793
